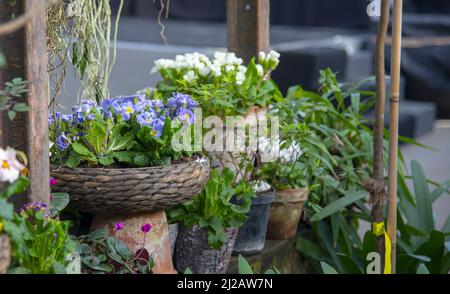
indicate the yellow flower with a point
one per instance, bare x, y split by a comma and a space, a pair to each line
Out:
1, 227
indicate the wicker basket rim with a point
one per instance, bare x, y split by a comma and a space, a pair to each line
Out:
54, 167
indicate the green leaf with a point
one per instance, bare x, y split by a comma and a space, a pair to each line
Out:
435, 249
120, 142
327, 269
424, 208
12, 114
74, 160
124, 156
443, 188
97, 235
244, 267
96, 136
106, 160
59, 201
21, 107
2, 60
422, 270
349, 264
6, 209
338, 205
82, 150
18, 187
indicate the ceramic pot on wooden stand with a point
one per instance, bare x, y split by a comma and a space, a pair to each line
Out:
135, 196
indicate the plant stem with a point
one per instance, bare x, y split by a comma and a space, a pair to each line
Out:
393, 125
378, 138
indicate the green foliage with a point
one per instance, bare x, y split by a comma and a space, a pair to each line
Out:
40, 241
104, 136
101, 253
341, 148
14, 89
212, 208
227, 88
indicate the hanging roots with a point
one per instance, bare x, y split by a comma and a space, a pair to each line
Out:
377, 190
164, 10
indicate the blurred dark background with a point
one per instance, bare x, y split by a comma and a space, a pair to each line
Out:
311, 35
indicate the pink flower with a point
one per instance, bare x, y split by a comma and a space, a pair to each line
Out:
53, 182
146, 228
119, 226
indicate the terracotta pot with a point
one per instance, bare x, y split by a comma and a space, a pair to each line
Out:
5, 253
285, 213
173, 233
193, 251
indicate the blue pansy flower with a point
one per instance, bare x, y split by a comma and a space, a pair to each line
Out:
157, 127
127, 110
145, 118
66, 117
62, 142
186, 116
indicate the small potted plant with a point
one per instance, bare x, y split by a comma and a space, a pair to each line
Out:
116, 160
117, 156
225, 87
287, 173
209, 224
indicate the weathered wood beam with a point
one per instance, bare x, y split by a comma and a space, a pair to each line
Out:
248, 24
26, 53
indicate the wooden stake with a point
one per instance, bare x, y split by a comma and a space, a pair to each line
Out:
248, 27
26, 53
378, 194
393, 125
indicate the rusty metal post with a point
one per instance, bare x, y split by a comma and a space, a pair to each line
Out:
26, 54
248, 23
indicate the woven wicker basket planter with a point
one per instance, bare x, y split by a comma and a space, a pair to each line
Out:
5, 253
132, 190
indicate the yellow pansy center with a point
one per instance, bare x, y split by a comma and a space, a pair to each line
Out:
187, 116
129, 109
153, 132
5, 164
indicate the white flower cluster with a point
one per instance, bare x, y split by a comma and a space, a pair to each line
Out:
270, 151
10, 167
196, 65
260, 186
272, 56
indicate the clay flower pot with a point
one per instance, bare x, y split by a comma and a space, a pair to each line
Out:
285, 213
193, 251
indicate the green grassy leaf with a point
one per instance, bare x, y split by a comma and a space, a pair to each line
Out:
423, 198
328, 269
338, 205
244, 267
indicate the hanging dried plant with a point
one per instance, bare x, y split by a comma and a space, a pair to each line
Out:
80, 31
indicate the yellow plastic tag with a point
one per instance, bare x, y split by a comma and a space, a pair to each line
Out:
378, 230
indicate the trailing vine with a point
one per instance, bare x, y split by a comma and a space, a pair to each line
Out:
80, 31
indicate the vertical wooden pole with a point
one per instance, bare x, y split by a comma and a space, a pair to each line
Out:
378, 191
248, 24
26, 53
393, 126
